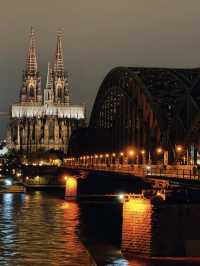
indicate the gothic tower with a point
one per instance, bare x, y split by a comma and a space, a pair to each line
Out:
60, 78
31, 88
48, 91
44, 118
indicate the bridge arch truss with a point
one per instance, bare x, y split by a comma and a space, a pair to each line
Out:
149, 107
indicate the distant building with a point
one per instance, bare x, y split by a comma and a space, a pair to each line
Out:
44, 118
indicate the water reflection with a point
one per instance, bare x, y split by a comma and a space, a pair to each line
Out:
147, 229
40, 230
37, 229
7, 232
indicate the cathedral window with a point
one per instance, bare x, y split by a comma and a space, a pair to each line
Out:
59, 92
51, 130
31, 91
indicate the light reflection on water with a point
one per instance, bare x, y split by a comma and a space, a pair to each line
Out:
37, 230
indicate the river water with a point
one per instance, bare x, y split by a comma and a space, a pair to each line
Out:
41, 229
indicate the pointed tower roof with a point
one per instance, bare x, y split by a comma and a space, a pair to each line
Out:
59, 59
31, 61
49, 83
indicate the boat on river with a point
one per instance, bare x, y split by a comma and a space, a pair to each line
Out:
11, 186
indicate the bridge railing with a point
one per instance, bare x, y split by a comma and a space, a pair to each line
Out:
174, 173
179, 172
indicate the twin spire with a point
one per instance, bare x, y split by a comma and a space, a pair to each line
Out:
31, 61
59, 61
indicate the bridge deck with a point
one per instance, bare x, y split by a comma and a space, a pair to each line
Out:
146, 172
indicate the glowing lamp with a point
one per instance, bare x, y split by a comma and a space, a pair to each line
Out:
131, 153
179, 148
121, 196
8, 182
159, 150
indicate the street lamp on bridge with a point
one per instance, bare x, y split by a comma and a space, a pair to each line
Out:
143, 152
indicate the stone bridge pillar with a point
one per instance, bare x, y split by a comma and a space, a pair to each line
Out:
136, 230
70, 187
152, 229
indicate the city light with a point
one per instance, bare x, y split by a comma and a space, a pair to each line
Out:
107, 155
143, 152
159, 150
8, 182
179, 148
131, 152
37, 178
121, 154
113, 155
121, 196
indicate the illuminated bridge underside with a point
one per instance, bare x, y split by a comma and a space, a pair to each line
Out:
147, 107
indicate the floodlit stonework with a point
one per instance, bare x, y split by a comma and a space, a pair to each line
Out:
44, 118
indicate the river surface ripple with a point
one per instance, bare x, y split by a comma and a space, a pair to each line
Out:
39, 230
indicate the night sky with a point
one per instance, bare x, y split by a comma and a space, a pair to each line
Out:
98, 35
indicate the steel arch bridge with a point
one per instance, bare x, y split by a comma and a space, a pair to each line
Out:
149, 107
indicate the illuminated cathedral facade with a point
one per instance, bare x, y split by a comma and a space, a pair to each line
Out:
44, 118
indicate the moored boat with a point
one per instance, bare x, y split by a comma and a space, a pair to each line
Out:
10, 186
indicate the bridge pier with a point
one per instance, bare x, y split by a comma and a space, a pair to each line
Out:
159, 229
136, 228
71, 185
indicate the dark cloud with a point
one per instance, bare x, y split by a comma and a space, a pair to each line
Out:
99, 35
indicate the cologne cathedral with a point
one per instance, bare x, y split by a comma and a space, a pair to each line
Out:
44, 118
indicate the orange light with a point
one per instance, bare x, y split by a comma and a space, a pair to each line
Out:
107, 155
121, 154
71, 181
101, 155
159, 150
179, 148
113, 155
131, 153
137, 205
65, 205
71, 187
143, 152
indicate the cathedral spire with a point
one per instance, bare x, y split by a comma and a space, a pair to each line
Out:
49, 83
31, 61
59, 60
